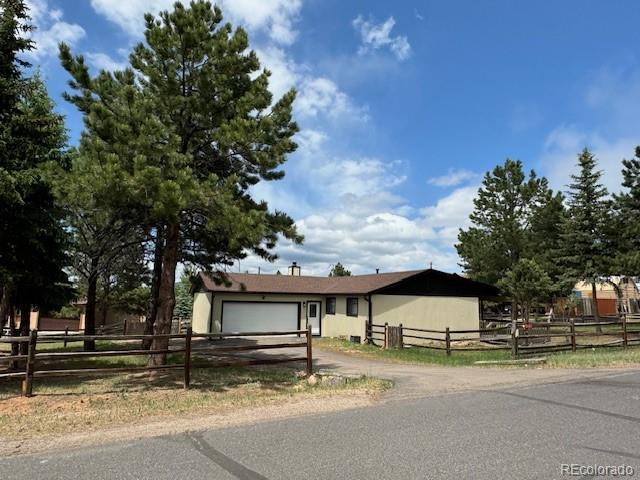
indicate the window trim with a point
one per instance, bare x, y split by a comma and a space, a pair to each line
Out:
327, 310
357, 306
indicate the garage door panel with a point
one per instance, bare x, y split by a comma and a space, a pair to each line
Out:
259, 317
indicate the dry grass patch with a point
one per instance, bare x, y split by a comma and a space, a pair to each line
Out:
75, 405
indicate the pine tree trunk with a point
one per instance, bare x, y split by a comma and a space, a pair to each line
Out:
4, 307
594, 298
90, 312
166, 295
155, 286
25, 318
13, 331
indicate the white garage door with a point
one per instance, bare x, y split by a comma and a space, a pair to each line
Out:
259, 317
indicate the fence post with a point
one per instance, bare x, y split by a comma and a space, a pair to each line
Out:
386, 335
447, 340
625, 338
573, 335
401, 336
309, 351
27, 383
124, 327
66, 334
187, 359
514, 342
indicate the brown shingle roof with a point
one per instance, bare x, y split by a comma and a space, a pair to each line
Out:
356, 284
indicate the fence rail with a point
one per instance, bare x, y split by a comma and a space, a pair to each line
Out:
33, 368
521, 338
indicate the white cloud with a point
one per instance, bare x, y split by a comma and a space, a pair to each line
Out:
385, 240
274, 17
375, 36
563, 145
50, 29
359, 220
320, 95
317, 95
103, 61
277, 17
453, 177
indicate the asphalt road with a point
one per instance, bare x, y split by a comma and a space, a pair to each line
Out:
519, 433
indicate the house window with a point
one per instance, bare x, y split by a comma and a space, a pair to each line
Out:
352, 306
313, 310
331, 305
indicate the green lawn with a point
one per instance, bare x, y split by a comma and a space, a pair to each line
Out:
584, 358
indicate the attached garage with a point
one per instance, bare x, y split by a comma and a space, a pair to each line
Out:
240, 316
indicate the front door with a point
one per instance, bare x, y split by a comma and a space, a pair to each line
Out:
313, 317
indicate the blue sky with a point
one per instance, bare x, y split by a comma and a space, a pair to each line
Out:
403, 106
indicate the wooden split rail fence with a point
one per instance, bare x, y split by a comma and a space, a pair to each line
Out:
532, 337
32, 366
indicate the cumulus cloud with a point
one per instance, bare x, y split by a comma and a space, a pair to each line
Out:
453, 177
274, 17
359, 219
50, 29
386, 240
375, 36
317, 95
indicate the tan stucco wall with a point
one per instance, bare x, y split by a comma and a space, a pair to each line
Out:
201, 309
431, 313
342, 325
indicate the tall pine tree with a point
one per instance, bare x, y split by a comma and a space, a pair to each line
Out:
32, 136
515, 217
584, 257
190, 128
627, 212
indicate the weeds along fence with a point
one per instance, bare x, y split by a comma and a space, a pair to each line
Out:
38, 364
532, 337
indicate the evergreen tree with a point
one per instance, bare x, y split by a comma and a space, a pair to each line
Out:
106, 238
32, 136
527, 283
184, 297
625, 228
189, 129
545, 239
584, 256
338, 270
515, 217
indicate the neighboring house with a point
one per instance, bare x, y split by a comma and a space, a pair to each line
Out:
619, 294
111, 317
338, 306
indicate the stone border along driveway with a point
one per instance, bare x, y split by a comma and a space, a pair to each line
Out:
414, 381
